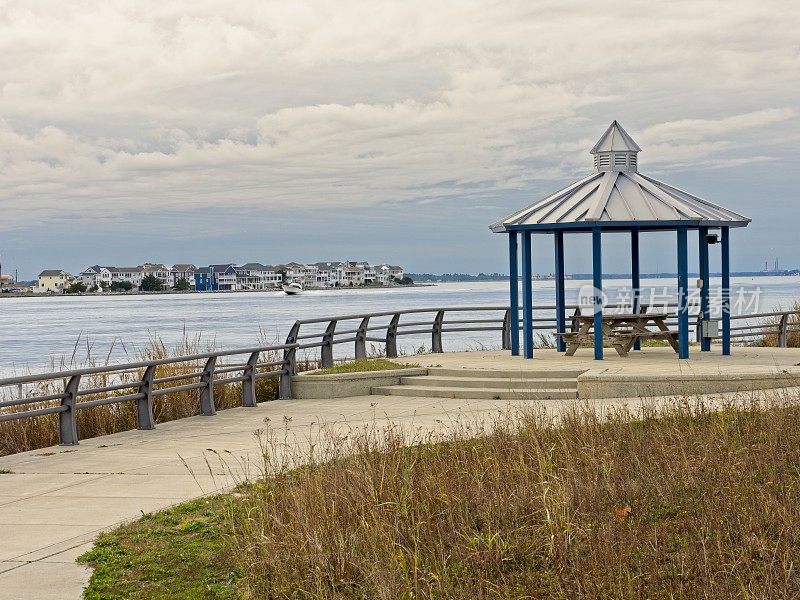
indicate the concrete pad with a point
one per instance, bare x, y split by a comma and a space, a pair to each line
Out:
80, 512
68, 556
32, 484
44, 581
20, 540
7, 565
144, 485
650, 372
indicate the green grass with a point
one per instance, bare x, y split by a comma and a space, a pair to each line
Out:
177, 554
360, 366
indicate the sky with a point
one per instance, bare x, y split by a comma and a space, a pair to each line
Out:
195, 131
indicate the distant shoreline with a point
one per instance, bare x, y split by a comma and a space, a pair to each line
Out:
184, 292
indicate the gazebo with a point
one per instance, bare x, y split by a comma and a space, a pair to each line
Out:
616, 197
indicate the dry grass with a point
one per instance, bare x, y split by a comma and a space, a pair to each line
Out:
692, 504
793, 330
41, 432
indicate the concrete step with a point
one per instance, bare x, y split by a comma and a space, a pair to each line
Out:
491, 382
475, 394
519, 374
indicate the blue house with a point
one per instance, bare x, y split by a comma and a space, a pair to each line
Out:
202, 280
215, 278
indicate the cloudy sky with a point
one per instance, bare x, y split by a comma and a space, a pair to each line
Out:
192, 131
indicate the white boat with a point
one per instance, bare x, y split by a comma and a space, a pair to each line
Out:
292, 288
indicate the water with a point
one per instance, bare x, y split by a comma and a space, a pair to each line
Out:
39, 333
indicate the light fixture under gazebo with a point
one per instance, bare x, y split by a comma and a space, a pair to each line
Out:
616, 197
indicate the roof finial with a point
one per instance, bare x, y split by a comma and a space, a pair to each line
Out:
615, 150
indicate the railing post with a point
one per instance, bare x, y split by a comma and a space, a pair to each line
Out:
207, 391
249, 382
783, 326
67, 422
391, 336
293, 333
289, 368
436, 333
361, 339
326, 352
507, 330
144, 406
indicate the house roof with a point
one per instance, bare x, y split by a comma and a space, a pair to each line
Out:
183, 267
619, 198
52, 273
222, 268
257, 267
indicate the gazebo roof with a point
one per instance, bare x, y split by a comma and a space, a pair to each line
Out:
617, 196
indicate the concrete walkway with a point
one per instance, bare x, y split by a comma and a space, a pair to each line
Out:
57, 500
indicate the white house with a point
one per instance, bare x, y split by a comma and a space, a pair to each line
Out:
132, 275
159, 271
255, 276
96, 276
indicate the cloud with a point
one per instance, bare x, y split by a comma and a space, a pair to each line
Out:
112, 111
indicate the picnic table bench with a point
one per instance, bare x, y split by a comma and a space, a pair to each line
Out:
620, 330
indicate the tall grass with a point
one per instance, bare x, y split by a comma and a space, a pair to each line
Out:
793, 329
687, 503
41, 432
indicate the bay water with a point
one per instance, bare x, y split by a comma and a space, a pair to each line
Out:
49, 333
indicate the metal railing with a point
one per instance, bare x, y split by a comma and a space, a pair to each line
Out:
140, 383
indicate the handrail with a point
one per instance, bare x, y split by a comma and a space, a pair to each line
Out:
139, 381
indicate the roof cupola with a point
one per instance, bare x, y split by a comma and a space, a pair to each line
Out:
615, 151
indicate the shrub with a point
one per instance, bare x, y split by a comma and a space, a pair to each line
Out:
182, 285
151, 283
76, 287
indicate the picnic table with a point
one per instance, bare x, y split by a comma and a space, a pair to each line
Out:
620, 330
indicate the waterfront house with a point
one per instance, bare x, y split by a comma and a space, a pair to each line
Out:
352, 274
53, 281
96, 276
132, 275
293, 271
182, 271
202, 280
215, 278
396, 272
383, 275
225, 276
369, 272
255, 276
159, 271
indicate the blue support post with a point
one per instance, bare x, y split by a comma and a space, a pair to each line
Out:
527, 296
726, 292
561, 345
683, 294
705, 304
513, 276
635, 279
597, 276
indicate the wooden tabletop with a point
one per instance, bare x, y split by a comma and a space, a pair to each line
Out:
630, 316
